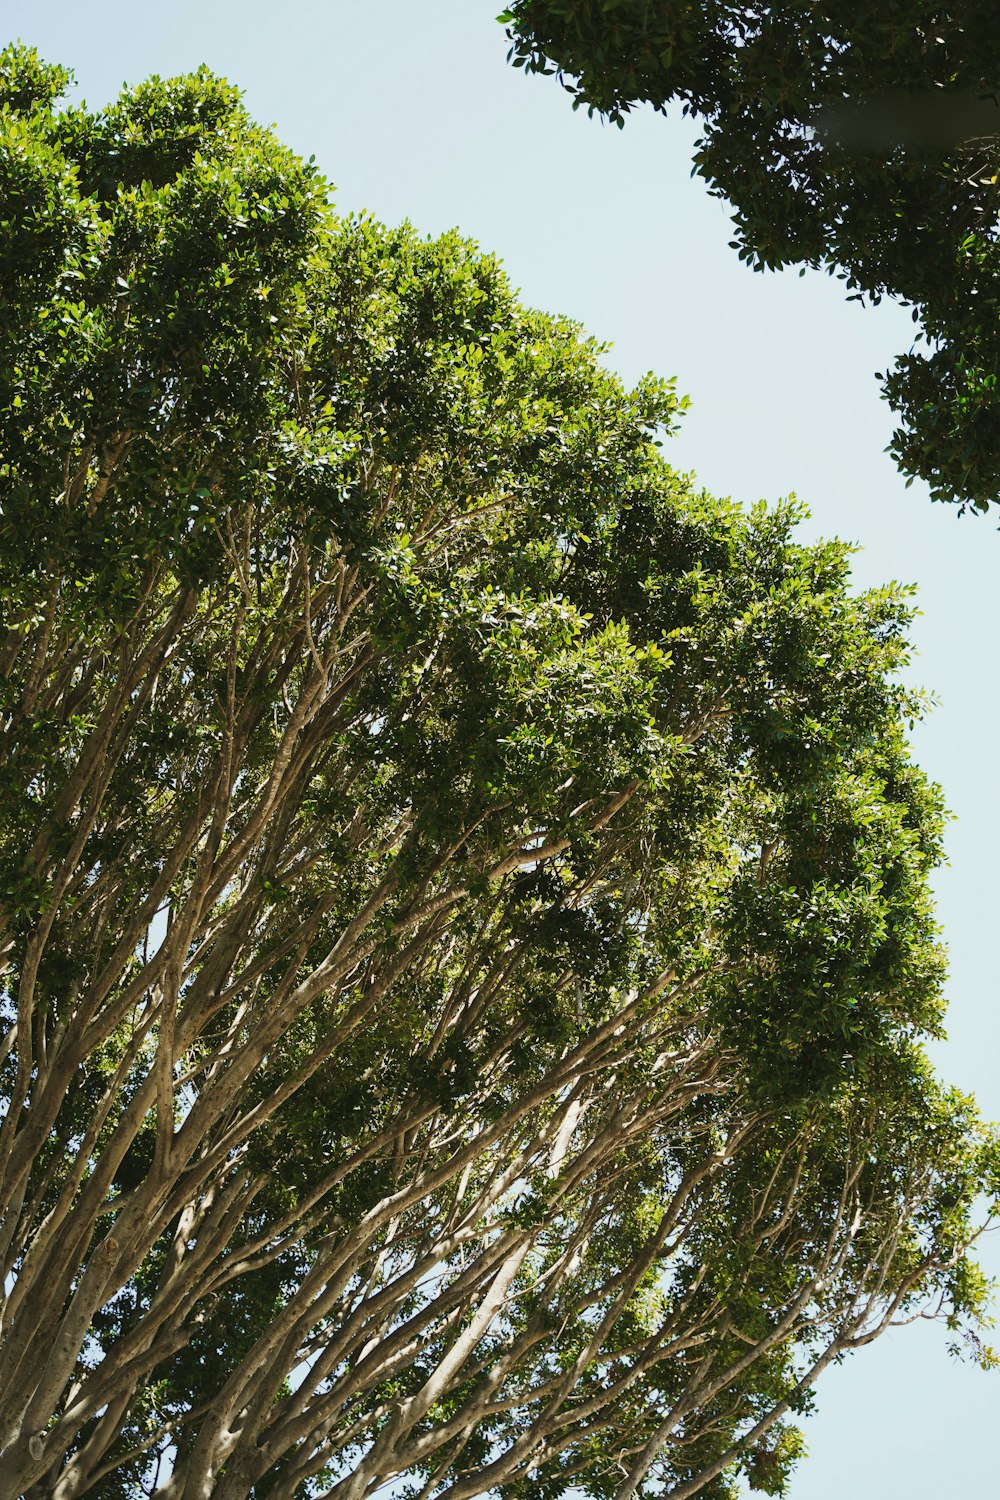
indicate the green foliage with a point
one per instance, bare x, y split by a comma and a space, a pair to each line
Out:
860, 139
464, 890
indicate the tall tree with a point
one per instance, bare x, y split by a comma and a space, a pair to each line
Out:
859, 138
465, 922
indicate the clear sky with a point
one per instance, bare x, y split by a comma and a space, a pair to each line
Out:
411, 111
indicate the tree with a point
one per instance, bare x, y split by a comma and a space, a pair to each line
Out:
862, 139
464, 894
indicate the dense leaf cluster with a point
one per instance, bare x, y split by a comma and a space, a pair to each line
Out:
463, 890
863, 139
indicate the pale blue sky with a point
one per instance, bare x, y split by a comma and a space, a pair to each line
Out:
411, 112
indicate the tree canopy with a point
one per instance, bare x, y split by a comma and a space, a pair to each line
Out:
859, 138
466, 935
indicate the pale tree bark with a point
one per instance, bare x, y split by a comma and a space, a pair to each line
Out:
490, 1303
